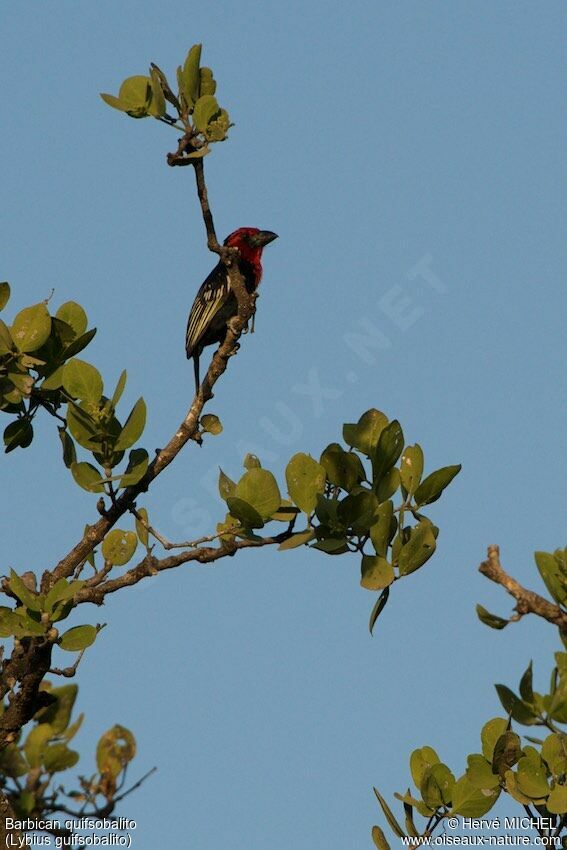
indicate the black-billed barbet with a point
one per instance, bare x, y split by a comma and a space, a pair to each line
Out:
215, 303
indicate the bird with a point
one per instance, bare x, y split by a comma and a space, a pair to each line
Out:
215, 303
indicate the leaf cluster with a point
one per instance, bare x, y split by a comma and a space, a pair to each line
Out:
534, 774
39, 370
366, 497
198, 113
30, 765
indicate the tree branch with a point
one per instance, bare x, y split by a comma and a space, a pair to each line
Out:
527, 601
151, 566
188, 428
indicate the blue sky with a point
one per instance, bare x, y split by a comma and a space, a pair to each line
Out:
379, 140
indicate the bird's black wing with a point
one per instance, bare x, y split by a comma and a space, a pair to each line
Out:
210, 299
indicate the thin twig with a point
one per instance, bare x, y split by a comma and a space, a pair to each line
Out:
187, 544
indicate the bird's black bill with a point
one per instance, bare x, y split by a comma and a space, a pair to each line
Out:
263, 238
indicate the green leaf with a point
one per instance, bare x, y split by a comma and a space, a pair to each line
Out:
553, 576
4, 294
61, 591
27, 597
36, 743
526, 685
392, 822
358, 511
437, 785
118, 546
387, 485
113, 101
135, 95
211, 424
431, 488
381, 532
556, 803
217, 128
74, 315
489, 619
388, 449
410, 801
58, 713
207, 82
300, 538
55, 380
554, 753
305, 479
418, 549
157, 104
191, 76
286, 512
377, 573
480, 773
78, 638
227, 486
77, 345
507, 752
332, 545
69, 452
82, 381
251, 462
18, 434
82, 427
421, 760
138, 461
141, 529
471, 802
115, 749
31, 327
531, 777
22, 381
379, 838
516, 707
344, 469
490, 733
259, 488
378, 608
117, 394
72, 730
132, 430
10, 623
244, 512
59, 757
411, 468
365, 434
12, 763
514, 791
205, 108
87, 476
6, 341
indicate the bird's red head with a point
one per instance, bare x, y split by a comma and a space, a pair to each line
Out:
250, 242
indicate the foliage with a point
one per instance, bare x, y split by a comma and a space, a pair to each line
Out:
365, 497
532, 771
30, 765
198, 111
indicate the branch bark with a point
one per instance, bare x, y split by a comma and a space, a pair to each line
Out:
188, 428
151, 566
31, 659
527, 601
